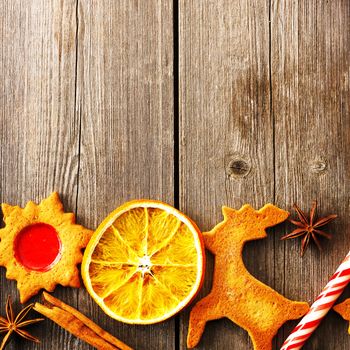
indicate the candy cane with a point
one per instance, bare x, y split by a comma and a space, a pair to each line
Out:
320, 307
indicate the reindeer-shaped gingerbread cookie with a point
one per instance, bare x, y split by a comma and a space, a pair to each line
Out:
235, 293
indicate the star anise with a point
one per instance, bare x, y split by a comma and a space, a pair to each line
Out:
309, 227
15, 324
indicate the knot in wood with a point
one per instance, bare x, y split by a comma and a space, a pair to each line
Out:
318, 166
238, 167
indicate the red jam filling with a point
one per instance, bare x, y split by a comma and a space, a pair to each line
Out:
38, 247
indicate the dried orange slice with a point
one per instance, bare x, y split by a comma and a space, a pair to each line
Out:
144, 263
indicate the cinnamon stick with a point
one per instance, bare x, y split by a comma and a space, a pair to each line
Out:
78, 324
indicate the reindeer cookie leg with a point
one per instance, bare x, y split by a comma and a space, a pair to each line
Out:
202, 312
262, 341
294, 310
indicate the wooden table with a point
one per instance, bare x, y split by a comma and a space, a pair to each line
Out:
198, 103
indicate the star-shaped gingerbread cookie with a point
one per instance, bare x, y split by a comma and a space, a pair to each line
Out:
235, 293
40, 246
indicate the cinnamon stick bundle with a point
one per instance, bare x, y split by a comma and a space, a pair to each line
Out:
78, 324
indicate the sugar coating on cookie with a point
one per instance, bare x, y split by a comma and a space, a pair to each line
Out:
40, 246
235, 293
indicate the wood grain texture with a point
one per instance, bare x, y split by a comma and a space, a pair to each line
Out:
226, 131
93, 121
38, 125
294, 151
125, 102
311, 107
87, 108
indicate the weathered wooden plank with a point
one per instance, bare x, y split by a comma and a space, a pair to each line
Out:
310, 96
125, 101
226, 130
38, 126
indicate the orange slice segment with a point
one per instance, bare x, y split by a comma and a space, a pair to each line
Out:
144, 263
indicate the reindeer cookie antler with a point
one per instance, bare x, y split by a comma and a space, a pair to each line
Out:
235, 293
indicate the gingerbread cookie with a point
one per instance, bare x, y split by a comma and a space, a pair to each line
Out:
343, 309
235, 293
40, 246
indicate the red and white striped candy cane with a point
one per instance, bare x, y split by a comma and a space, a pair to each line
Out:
320, 307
